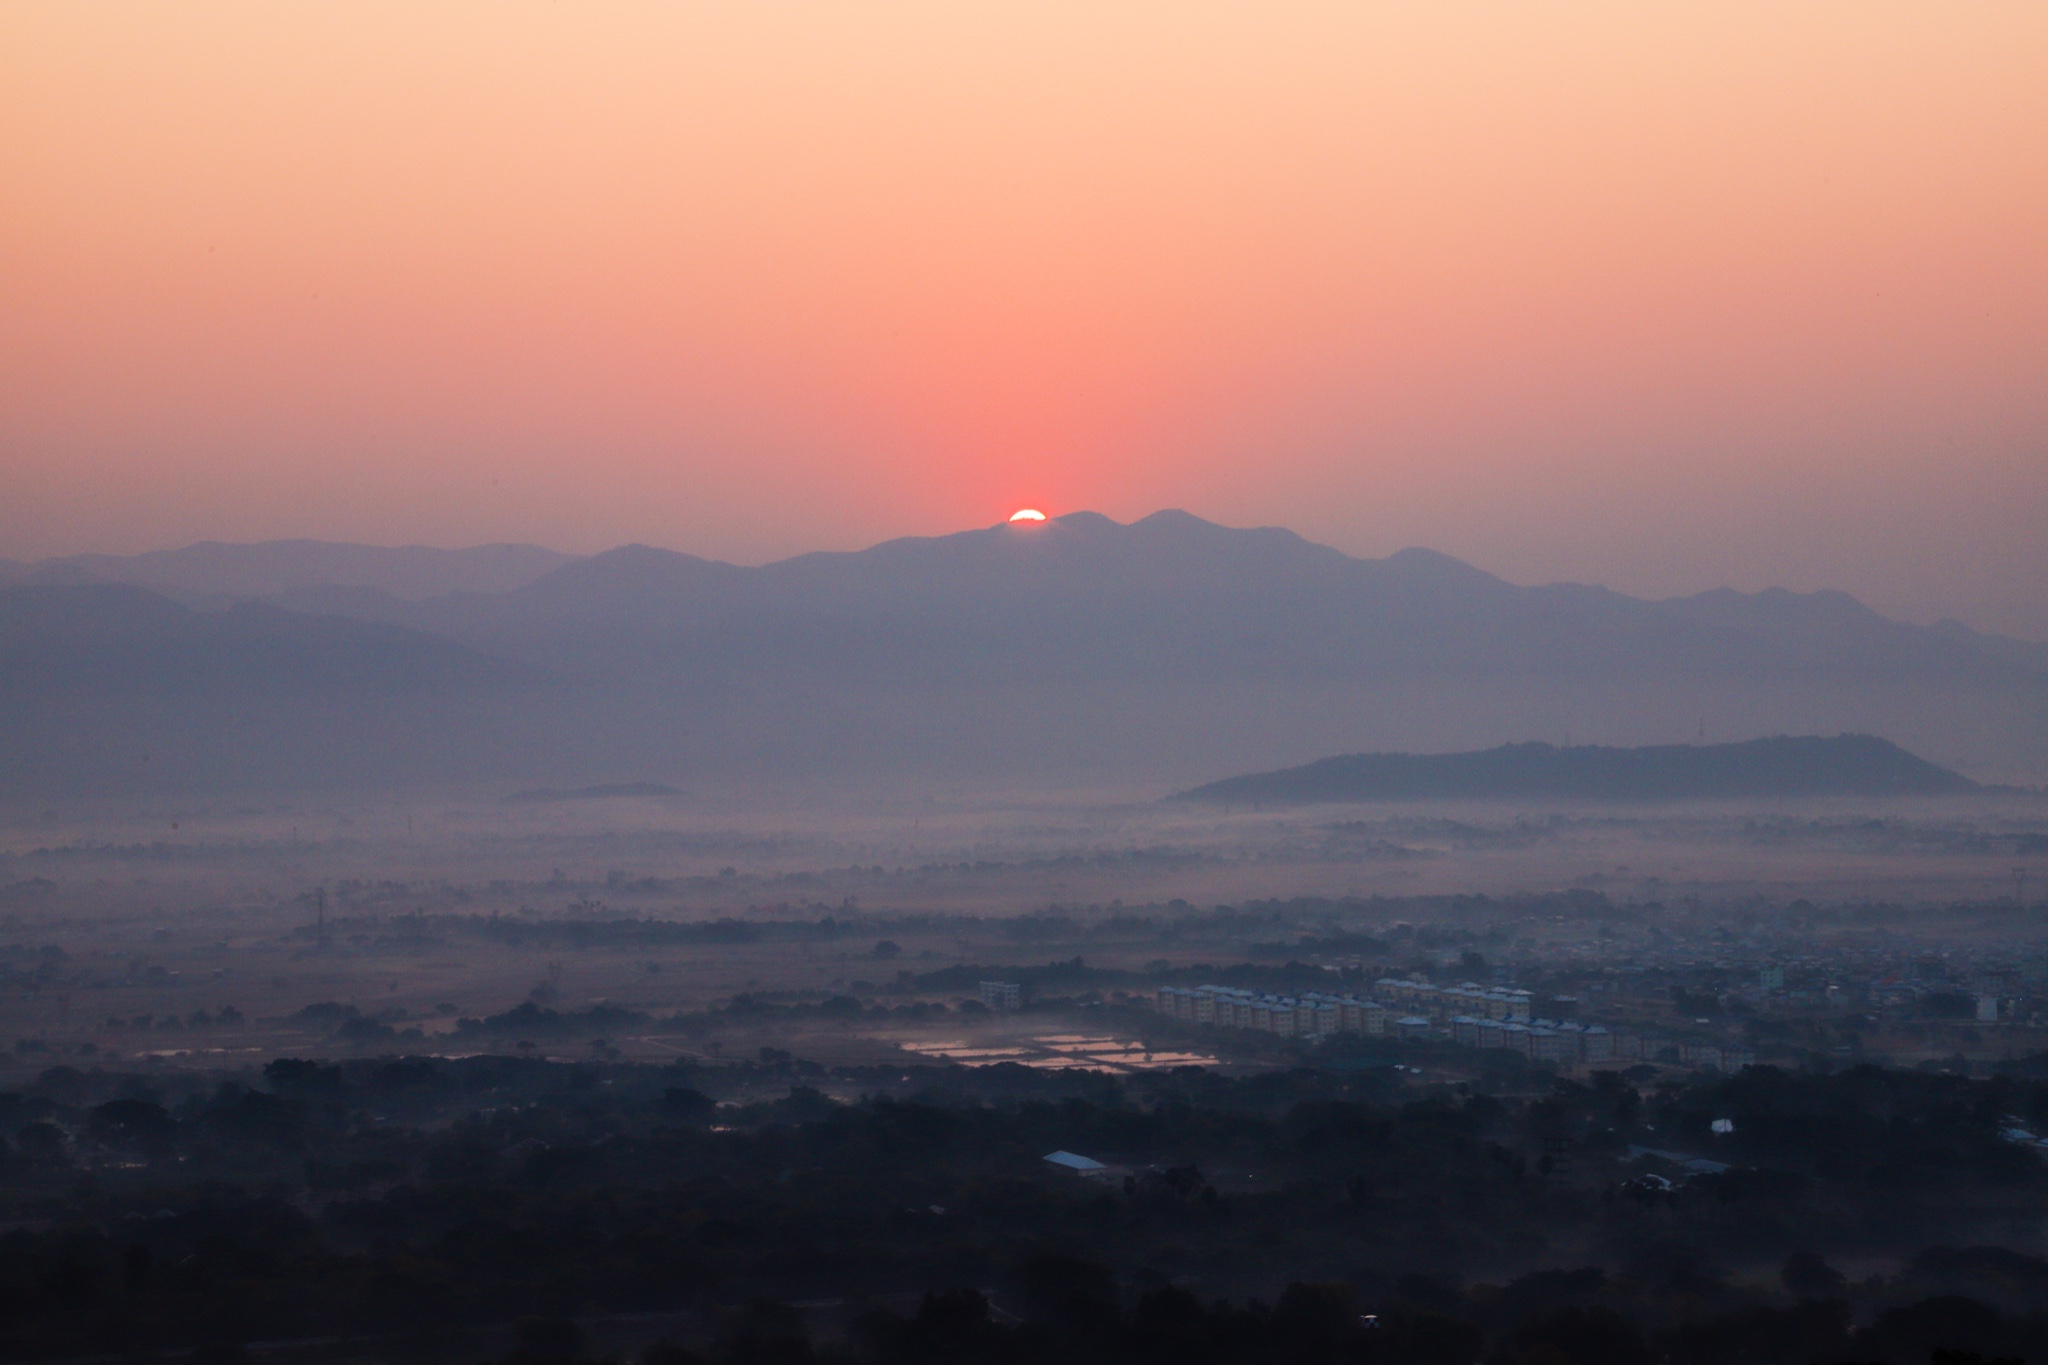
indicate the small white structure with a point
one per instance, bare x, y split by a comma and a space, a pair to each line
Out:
1002, 996
1075, 1162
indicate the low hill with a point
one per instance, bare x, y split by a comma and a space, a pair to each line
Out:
542, 796
1805, 765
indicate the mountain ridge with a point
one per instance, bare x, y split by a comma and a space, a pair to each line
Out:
1144, 655
215, 573
1174, 591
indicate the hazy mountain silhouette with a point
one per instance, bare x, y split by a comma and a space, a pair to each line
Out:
111, 640
1079, 650
106, 689
267, 569
1846, 765
1172, 597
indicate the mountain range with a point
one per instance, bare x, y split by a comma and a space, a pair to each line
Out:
1078, 650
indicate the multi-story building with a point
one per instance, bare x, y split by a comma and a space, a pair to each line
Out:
1547, 1044
1482, 1018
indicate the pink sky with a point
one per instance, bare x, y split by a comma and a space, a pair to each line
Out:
1663, 297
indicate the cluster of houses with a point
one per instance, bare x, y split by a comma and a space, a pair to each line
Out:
1469, 1015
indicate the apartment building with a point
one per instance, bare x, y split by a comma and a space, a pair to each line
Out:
1477, 1017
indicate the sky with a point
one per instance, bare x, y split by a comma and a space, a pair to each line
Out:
1664, 297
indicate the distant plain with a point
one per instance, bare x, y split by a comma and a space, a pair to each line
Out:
116, 910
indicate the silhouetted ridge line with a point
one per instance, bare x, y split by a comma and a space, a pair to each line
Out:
1787, 765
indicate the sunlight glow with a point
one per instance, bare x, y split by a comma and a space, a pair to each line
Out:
1027, 514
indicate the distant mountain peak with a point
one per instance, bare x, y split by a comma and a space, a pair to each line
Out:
1083, 520
1436, 564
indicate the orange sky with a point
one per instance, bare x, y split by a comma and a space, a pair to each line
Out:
1659, 296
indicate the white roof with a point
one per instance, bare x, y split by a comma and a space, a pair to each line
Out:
1074, 1161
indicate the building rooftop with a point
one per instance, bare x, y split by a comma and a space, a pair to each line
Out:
1074, 1161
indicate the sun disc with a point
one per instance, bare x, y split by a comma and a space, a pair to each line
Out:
1028, 514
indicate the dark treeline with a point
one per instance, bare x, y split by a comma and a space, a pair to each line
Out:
1870, 1215
1370, 926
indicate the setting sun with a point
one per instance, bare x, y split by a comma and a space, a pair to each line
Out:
1027, 514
